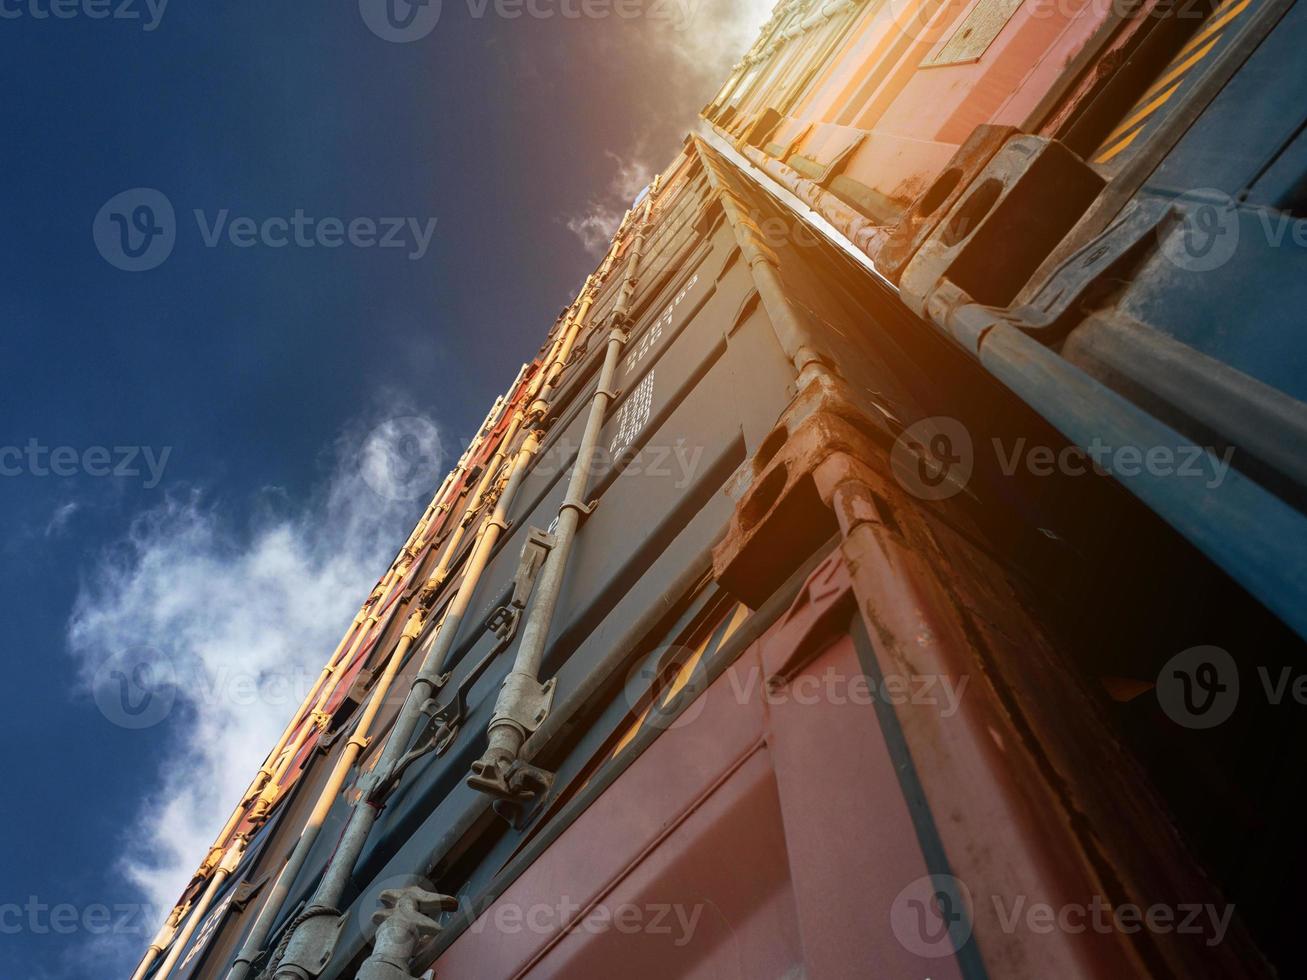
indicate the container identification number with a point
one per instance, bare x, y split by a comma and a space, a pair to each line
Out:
633, 415
654, 333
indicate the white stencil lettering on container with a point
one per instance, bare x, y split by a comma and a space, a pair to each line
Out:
633, 415
654, 333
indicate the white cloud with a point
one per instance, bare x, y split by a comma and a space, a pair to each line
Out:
697, 42
597, 224
632, 176
241, 615
58, 522
709, 36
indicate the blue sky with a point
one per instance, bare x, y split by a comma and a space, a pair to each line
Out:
259, 387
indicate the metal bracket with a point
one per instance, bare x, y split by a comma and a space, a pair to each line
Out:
523, 704
780, 496
436, 685
517, 789
246, 891
444, 722
523, 701
1027, 198
579, 350
530, 787
384, 783
313, 942
1131, 232
584, 510
503, 621
404, 926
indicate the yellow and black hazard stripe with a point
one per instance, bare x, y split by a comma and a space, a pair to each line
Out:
711, 641
1178, 72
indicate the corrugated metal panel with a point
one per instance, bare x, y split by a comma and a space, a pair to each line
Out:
758, 528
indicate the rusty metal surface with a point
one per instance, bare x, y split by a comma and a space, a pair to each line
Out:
1037, 799
672, 831
815, 838
974, 33
740, 781
927, 211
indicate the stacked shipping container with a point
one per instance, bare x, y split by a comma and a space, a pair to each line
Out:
833, 685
